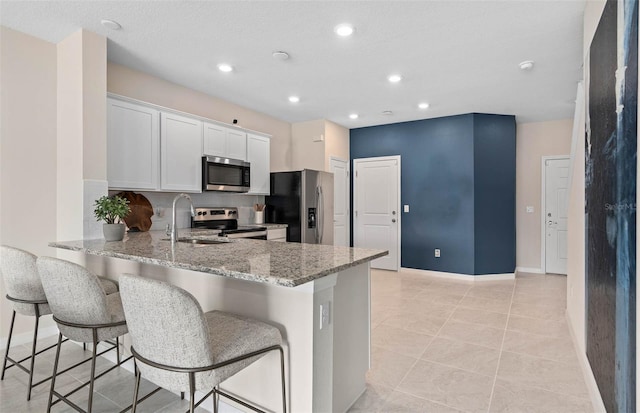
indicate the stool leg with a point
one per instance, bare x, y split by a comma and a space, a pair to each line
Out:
192, 392
93, 370
118, 349
84, 346
181, 395
55, 371
33, 353
215, 400
284, 394
135, 392
6, 353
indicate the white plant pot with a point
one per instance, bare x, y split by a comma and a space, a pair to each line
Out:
113, 232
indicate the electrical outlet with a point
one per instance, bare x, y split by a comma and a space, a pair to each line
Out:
529, 210
437, 252
406, 208
324, 315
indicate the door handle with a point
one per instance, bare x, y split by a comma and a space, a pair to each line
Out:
393, 212
393, 220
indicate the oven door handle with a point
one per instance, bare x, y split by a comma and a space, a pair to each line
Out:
251, 234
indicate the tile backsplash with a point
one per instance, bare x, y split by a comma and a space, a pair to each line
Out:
162, 203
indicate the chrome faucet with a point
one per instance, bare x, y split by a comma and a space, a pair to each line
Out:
174, 228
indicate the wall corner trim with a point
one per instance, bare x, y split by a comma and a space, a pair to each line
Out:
460, 277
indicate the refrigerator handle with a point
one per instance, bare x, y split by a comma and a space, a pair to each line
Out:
320, 226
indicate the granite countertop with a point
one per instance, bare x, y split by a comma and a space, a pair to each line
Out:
281, 263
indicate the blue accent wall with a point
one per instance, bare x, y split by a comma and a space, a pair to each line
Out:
438, 174
494, 160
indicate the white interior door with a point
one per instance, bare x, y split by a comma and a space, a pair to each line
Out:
377, 207
340, 169
555, 214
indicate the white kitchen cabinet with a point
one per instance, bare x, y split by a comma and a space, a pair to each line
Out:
181, 149
278, 235
258, 155
224, 142
133, 146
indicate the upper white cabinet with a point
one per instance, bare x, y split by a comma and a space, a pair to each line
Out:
181, 148
133, 146
157, 149
224, 142
258, 155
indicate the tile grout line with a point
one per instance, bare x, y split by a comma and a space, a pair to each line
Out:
426, 348
495, 378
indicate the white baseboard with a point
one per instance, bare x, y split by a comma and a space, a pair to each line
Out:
589, 379
529, 270
27, 338
460, 277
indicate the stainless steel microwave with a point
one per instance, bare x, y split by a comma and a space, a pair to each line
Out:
224, 174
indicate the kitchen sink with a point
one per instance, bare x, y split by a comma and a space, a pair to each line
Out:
219, 240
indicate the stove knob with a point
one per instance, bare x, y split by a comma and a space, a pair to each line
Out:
204, 212
199, 212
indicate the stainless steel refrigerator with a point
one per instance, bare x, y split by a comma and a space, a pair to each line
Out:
304, 201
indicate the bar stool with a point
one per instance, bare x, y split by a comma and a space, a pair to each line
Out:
25, 292
178, 347
83, 313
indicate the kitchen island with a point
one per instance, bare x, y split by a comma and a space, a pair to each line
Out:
286, 284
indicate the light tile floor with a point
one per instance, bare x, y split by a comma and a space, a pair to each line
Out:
437, 346
448, 346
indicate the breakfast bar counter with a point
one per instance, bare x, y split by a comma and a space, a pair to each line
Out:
279, 263
317, 295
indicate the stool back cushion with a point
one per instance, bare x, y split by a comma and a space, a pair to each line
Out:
75, 294
21, 279
167, 326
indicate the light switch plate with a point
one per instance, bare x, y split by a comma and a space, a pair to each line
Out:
406, 208
529, 210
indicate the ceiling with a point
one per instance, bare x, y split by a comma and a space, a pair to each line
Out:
459, 56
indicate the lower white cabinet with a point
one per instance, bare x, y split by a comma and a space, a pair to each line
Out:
258, 155
181, 148
278, 234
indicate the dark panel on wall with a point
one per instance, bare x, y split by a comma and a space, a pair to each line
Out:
495, 193
610, 213
437, 183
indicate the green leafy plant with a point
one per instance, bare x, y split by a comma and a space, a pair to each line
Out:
111, 209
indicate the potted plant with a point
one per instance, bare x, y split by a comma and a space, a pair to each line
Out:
112, 211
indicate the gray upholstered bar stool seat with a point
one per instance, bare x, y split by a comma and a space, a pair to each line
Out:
180, 348
27, 296
83, 313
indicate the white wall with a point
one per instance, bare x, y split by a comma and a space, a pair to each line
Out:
313, 143
576, 243
308, 145
27, 152
533, 141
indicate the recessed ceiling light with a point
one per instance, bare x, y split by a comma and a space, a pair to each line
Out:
387, 112
225, 67
423, 105
394, 78
280, 55
111, 24
526, 65
294, 99
353, 116
344, 30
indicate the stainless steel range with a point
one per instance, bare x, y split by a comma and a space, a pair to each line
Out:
226, 220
